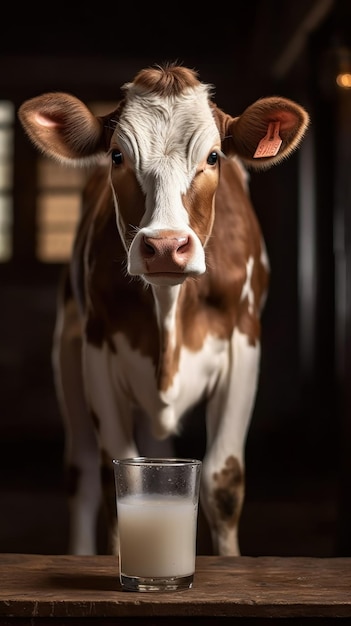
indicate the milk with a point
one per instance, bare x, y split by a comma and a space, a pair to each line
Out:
157, 535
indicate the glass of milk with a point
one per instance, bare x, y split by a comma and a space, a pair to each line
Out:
157, 509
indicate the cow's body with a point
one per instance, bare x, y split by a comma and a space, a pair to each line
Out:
161, 309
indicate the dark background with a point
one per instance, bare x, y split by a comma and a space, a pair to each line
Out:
299, 444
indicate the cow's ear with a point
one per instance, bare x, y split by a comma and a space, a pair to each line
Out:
267, 132
62, 127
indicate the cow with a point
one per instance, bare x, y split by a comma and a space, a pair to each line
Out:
160, 309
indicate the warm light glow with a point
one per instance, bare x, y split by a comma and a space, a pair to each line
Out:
7, 115
344, 80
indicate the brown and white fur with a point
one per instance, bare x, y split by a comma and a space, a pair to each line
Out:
161, 306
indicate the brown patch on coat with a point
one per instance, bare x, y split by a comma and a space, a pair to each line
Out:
199, 200
212, 303
130, 197
229, 491
166, 81
111, 301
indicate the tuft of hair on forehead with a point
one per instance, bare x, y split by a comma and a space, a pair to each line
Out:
166, 80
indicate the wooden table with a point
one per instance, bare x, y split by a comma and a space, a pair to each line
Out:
41, 590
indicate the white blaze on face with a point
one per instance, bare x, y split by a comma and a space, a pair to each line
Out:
166, 138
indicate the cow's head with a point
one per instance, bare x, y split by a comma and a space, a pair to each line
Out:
165, 141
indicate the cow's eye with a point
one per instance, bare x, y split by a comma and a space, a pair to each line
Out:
212, 158
117, 157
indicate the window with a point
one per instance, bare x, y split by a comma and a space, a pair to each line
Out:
56, 201
58, 208
7, 117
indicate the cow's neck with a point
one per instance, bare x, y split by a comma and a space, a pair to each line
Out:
166, 300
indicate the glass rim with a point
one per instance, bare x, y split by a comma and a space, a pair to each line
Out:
167, 461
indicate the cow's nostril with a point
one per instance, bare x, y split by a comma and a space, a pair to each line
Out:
182, 244
148, 249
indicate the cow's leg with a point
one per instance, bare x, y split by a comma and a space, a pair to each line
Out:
146, 443
81, 451
113, 416
228, 418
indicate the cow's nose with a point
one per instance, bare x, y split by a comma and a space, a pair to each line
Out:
169, 252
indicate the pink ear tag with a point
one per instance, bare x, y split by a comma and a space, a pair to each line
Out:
270, 144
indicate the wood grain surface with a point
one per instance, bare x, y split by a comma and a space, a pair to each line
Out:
41, 586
